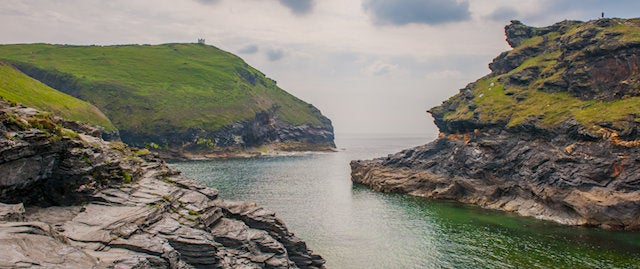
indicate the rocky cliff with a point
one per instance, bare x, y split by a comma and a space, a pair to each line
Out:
182, 100
72, 200
265, 133
551, 133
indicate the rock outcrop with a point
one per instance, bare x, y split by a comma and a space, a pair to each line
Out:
551, 133
264, 134
71, 200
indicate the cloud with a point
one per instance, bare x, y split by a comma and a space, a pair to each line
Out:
208, 2
380, 68
504, 13
249, 49
445, 74
298, 7
275, 54
546, 12
430, 12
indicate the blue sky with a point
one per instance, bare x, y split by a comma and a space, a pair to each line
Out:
371, 66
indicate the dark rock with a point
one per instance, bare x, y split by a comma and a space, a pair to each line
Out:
97, 204
517, 32
559, 179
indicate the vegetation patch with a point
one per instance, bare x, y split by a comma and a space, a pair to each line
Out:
497, 98
170, 88
17, 87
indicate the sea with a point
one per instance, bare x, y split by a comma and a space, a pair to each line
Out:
352, 226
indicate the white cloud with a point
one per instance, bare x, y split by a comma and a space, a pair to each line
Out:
329, 53
445, 74
380, 68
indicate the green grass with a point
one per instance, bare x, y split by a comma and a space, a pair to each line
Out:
515, 104
551, 109
18, 87
163, 88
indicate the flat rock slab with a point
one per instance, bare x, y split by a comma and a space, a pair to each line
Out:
33, 244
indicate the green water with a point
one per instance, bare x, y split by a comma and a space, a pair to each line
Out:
354, 227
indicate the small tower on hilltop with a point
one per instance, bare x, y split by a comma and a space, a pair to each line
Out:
201, 41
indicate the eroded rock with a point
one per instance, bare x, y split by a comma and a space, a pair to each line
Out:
101, 205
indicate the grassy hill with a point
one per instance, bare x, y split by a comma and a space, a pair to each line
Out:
20, 88
170, 88
587, 72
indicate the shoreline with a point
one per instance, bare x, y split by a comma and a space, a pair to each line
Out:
275, 149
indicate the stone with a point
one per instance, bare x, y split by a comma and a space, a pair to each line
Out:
83, 212
11, 212
28, 244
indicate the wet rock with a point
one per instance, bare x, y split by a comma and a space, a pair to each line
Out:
561, 179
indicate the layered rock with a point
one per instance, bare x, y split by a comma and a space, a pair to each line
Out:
266, 133
96, 204
551, 133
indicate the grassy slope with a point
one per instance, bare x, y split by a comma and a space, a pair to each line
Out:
18, 87
498, 103
168, 87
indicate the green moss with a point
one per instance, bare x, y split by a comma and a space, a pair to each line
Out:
126, 177
70, 133
530, 42
86, 158
263, 149
119, 146
628, 30
141, 152
20, 88
207, 142
151, 145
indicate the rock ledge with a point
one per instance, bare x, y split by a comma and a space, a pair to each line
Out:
95, 204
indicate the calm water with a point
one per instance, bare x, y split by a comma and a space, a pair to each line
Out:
353, 227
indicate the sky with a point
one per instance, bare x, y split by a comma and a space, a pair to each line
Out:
371, 66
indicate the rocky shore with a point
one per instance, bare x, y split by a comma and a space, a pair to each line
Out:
71, 200
265, 134
551, 133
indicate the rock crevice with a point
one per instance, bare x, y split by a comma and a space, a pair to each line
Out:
97, 204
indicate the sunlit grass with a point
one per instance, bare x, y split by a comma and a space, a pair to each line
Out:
495, 100
169, 87
18, 87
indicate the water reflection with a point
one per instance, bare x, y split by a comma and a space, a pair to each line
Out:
353, 227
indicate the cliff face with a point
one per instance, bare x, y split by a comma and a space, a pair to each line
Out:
551, 133
264, 133
180, 99
79, 202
